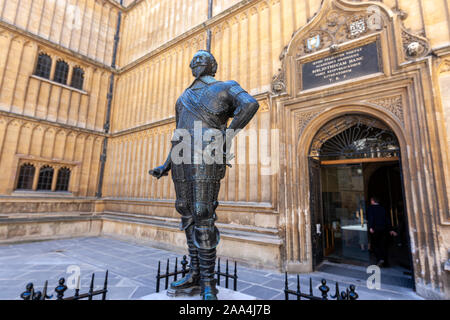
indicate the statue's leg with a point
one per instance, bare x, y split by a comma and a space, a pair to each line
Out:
190, 284
206, 235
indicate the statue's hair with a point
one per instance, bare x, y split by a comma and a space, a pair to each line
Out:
212, 69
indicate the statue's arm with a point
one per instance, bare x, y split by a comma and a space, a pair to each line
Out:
164, 169
168, 163
244, 105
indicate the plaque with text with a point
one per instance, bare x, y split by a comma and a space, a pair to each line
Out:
342, 66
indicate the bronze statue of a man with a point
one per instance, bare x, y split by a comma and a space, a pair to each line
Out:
207, 104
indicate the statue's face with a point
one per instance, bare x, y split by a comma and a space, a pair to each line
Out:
201, 64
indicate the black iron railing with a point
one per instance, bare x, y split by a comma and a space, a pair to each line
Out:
348, 294
185, 269
227, 275
31, 294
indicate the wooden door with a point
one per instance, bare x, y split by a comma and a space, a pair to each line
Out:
316, 212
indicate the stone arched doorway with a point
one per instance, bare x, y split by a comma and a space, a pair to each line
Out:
352, 158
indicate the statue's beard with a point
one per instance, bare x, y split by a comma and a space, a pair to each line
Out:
199, 71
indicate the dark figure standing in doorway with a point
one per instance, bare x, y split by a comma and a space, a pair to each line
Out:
380, 227
205, 105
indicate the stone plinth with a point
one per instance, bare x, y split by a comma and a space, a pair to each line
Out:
224, 294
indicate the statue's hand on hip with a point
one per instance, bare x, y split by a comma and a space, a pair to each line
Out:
228, 136
159, 172
227, 157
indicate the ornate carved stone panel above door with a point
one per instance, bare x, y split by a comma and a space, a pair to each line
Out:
346, 41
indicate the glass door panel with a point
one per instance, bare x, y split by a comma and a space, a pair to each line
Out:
345, 222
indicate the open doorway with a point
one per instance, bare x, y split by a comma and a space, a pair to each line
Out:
353, 158
346, 190
384, 181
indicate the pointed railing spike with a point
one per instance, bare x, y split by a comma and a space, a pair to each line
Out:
218, 271
44, 293
91, 287
175, 276
105, 286
286, 287
32, 294
158, 276
167, 275
77, 288
227, 275
235, 277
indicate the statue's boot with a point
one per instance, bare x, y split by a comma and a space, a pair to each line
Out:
189, 284
207, 265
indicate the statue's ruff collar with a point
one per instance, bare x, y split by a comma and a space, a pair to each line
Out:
197, 84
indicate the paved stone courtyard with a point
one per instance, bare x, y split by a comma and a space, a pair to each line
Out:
132, 271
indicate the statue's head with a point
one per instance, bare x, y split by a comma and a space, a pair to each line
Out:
203, 64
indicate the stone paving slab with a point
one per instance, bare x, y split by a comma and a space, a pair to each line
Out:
132, 270
261, 292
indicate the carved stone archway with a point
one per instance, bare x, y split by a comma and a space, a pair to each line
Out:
298, 230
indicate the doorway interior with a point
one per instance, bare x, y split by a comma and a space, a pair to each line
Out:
352, 159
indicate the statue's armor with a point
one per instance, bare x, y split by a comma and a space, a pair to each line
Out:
211, 103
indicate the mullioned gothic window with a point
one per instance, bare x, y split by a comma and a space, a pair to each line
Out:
77, 78
26, 177
45, 178
43, 66
62, 181
61, 72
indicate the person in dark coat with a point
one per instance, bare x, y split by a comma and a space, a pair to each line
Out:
379, 224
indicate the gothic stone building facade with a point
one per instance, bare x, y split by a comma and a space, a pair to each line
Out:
355, 95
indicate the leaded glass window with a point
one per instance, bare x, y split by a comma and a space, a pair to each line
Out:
45, 178
62, 181
26, 177
44, 65
61, 72
77, 78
